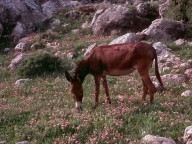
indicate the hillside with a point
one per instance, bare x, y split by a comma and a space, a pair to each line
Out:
36, 104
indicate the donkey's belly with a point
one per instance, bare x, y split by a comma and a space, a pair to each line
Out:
118, 72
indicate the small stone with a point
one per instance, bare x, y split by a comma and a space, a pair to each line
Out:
150, 139
22, 81
188, 72
180, 42
187, 93
6, 50
184, 66
23, 142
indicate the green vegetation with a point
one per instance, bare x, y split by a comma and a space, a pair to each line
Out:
41, 63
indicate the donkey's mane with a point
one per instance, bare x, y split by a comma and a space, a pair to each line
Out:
81, 69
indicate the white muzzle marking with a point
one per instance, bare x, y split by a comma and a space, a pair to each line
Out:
78, 104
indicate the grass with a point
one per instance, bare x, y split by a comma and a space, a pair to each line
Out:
42, 111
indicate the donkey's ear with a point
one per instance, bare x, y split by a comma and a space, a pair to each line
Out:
68, 77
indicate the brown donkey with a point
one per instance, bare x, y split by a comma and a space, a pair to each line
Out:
115, 60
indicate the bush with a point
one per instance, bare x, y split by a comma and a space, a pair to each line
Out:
181, 10
41, 63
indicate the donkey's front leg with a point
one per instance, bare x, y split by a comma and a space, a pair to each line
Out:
97, 88
104, 81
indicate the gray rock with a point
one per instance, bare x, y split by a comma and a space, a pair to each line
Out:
187, 93
50, 7
187, 137
6, 50
184, 66
118, 20
145, 9
180, 42
190, 61
165, 29
22, 46
23, 142
91, 47
22, 81
18, 32
160, 47
188, 72
127, 38
17, 60
175, 78
150, 139
55, 23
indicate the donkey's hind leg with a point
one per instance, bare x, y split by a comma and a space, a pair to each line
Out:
145, 91
144, 73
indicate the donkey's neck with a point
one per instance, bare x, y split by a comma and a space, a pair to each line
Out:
82, 70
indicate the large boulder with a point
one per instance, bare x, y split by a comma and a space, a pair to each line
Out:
50, 7
165, 29
118, 20
127, 38
22, 17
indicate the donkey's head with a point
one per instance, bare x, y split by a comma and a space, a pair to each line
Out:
76, 89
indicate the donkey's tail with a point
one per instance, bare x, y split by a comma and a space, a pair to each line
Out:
161, 87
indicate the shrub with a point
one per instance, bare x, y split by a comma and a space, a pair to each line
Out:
41, 63
181, 10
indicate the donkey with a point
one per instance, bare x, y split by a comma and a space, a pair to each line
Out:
115, 60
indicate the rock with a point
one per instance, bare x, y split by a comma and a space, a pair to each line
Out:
175, 78
6, 50
1, 30
190, 62
85, 25
50, 7
17, 60
91, 47
129, 37
97, 13
53, 45
22, 46
28, 15
160, 47
187, 93
146, 10
187, 137
18, 32
165, 29
180, 42
23, 142
150, 139
76, 31
37, 45
185, 66
118, 20
22, 81
188, 72
55, 23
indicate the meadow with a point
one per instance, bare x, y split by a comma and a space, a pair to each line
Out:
42, 111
